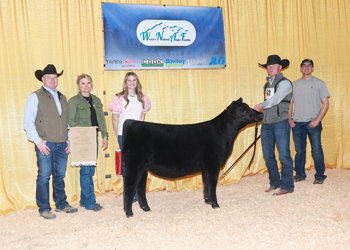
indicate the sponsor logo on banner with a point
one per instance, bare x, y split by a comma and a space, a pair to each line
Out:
217, 62
129, 63
197, 62
114, 61
174, 63
166, 33
152, 63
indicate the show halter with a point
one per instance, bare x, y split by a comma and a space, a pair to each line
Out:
256, 139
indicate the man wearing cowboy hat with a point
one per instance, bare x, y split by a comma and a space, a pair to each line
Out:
309, 92
45, 122
275, 127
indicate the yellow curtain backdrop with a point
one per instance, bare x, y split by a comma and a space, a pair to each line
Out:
69, 34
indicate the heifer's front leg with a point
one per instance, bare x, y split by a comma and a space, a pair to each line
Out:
141, 192
212, 179
205, 188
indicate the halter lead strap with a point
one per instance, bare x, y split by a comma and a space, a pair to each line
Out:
255, 140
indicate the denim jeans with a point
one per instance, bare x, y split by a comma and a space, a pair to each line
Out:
56, 164
300, 132
120, 140
278, 133
87, 197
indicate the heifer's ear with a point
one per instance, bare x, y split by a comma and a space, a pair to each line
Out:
240, 99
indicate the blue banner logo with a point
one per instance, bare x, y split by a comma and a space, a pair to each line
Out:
166, 33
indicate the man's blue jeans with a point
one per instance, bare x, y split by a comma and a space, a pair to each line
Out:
300, 132
278, 133
87, 196
56, 164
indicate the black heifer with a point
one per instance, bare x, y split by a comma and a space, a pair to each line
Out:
173, 151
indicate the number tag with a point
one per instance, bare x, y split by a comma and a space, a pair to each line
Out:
269, 92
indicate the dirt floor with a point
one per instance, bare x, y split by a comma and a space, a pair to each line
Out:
313, 217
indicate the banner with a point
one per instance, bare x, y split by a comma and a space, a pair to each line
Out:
163, 37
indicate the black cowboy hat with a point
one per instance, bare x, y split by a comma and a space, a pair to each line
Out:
49, 69
275, 59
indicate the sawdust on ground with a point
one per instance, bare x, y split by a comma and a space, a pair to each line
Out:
313, 217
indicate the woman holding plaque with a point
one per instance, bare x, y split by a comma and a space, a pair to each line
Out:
85, 110
130, 103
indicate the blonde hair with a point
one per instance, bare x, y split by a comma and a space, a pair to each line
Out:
82, 76
138, 90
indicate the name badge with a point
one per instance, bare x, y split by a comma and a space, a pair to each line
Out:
269, 92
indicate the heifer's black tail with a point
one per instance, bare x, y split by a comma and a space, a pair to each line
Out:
254, 143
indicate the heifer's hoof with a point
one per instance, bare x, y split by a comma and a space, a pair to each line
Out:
145, 208
129, 214
215, 206
207, 201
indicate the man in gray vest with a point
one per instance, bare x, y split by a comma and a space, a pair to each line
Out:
275, 127
45, 122
308, 94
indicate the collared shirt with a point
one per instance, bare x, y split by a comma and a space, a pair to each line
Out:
284, 88
31, 111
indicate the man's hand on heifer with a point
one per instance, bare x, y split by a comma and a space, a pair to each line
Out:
258, 107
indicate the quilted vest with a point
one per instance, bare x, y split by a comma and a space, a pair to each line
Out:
278, 112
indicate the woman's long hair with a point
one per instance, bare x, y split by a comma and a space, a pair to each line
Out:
138, 90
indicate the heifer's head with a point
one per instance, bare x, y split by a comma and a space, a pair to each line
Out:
242, 113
